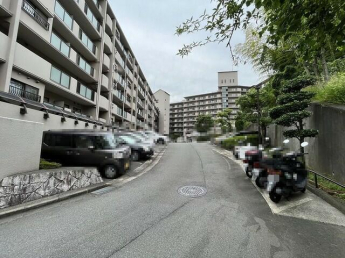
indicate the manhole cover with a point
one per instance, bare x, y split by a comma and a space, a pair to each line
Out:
192, 191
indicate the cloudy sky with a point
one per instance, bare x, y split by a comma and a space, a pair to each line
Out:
149, 26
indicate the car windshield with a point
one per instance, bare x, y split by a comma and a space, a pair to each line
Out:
138, 137
105, 142
129, 139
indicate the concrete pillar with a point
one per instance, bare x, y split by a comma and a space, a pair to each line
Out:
6, 68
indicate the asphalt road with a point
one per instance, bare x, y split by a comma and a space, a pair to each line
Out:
148, 218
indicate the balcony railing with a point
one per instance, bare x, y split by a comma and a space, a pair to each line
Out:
24, 94
38, 17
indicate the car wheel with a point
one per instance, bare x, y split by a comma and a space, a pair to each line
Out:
160, 141
304, 189
110, 171
135, 156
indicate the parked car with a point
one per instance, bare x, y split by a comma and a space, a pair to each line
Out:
87, 148
139, 149
143, 138
157, 138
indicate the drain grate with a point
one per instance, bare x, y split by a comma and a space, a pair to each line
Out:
192, 191
103, 190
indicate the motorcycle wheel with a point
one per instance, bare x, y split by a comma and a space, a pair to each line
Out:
258, 182
274, 196
249, 172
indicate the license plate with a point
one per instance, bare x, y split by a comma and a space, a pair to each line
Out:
127, 165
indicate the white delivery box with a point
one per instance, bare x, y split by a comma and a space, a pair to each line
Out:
243, 150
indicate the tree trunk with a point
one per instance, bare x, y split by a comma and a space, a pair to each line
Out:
324, 64
315, 67
306, 68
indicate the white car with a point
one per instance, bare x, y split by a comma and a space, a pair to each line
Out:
158, 138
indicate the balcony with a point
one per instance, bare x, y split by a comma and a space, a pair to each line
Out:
106, 62
107, 44
103, 103
4, 41
109, 25
38, 17
105, 83
24, 94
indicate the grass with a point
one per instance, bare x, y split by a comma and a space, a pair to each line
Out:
328, 186
44, 164
332, 92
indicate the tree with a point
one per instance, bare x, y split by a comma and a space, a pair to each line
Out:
224, 119
292, 22
291, 111
254, 106
204, 123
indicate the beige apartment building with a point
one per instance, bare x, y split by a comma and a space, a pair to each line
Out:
183, 114
163, 104
70, 58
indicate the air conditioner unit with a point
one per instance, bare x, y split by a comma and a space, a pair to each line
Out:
115, 67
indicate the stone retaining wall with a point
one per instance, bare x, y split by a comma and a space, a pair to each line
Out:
22, 188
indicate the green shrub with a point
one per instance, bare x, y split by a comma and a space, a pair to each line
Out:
332, 91
48, 165
203, 138
231, 142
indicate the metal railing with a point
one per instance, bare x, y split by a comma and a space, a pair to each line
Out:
24, 94
324, 177
37, 16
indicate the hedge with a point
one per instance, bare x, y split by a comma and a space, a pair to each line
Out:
231, 142
48, 165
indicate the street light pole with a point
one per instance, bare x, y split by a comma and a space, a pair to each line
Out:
259, 112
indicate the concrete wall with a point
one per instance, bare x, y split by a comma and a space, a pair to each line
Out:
326, 153
20, 142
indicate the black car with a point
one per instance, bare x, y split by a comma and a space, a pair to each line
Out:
87, 148
138, 148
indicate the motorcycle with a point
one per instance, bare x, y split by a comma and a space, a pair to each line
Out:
286, 175
252, 159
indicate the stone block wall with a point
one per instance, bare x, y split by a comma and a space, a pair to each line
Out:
22, 188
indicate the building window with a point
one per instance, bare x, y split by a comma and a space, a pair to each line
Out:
84, 65
59, 44
60, 77
35, 13
23, 90
46, 100
85, 91
87, 41
91, 17
63, 15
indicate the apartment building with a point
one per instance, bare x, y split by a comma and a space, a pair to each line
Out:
71, 58
163, 104
183, 114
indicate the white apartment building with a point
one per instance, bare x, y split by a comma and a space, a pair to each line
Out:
183, 114
163, 104
70, 58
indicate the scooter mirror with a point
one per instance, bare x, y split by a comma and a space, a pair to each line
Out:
304, 144
286, 141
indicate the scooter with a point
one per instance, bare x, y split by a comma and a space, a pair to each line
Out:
252, 159
286, 175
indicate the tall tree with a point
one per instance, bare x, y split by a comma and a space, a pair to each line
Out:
224, 119
204, 123
291, 111
254, 106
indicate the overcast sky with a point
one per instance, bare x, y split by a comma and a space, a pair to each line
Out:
149, 26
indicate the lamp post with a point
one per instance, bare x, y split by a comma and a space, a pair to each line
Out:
258, 108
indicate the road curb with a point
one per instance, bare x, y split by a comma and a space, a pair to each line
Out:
338, 204
49, 200
70, 194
